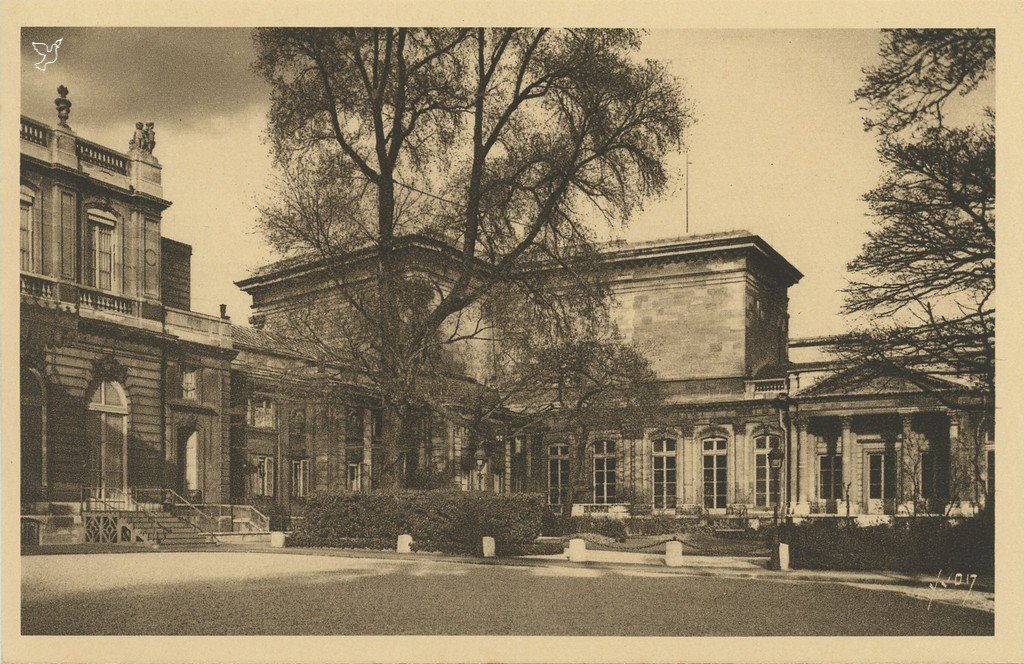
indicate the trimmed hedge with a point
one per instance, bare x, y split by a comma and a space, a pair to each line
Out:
445, 520
557, 525
913, 545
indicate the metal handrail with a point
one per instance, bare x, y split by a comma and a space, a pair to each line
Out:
181, 500
156, 524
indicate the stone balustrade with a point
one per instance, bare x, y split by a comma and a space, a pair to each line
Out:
106, 302
102, 157
36, 286
35, 132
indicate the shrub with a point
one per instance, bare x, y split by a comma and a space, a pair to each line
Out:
556, 525
913, 545
660, 525
448, 521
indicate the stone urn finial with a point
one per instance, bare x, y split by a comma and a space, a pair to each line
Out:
63, 105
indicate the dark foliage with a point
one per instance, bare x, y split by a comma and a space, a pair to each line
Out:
448, 521
914, 545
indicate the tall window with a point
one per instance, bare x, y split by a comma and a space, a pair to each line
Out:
33, 433
766, 478
830, 477
664, 474
715, 474
604, 471
354, 425
263, 475
106, 429
990, 476
28, 200
103, 253
558, 473
261, 413
300, 478
881, 476
355, 475
189, 383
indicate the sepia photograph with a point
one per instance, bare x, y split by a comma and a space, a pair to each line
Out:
553, 331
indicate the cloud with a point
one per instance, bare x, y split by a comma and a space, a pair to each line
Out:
176, 77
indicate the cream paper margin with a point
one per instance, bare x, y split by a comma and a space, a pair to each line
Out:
1006, 17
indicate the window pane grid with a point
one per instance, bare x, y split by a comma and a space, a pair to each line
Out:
830, 477
715, 473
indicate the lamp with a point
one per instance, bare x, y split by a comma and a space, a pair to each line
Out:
480, 456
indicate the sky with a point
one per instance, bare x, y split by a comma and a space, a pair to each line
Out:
778, 147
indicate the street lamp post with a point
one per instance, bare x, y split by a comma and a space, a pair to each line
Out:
782, 403
481, 458
775, 458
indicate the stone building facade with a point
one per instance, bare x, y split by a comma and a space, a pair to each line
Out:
125, 390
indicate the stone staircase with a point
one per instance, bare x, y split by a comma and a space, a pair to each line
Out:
161, 530
176, 532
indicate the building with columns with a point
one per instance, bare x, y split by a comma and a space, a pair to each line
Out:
126, 392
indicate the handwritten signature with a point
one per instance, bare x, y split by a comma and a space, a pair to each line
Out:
952, 583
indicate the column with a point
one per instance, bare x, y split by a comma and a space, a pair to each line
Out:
805, 461
367, 470
851, 483
905, 459
732, 454
506, 477
682, 468
741, 467
691, 466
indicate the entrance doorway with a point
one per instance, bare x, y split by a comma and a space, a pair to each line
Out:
188, 465
881, 481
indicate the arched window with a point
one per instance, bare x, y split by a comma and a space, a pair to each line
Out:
715, 473
605, 471
33, 434
28, 229
558, 473
766, 480
106, 429
664, 473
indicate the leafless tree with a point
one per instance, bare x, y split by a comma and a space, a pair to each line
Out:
922, 287
493, 147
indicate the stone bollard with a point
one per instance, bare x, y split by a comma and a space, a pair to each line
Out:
577, 550
674, 554
488, 547
277, 539
404, 544
783, 557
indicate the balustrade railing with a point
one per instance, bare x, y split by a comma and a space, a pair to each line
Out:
106, 302
102, 157
770, 385
34, 133
37, 286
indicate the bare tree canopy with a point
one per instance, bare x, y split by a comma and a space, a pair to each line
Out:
500, 145
925, 278
921, 70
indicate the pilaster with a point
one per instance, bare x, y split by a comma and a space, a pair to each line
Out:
851, 479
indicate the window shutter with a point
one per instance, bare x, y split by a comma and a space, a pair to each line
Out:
270, 476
